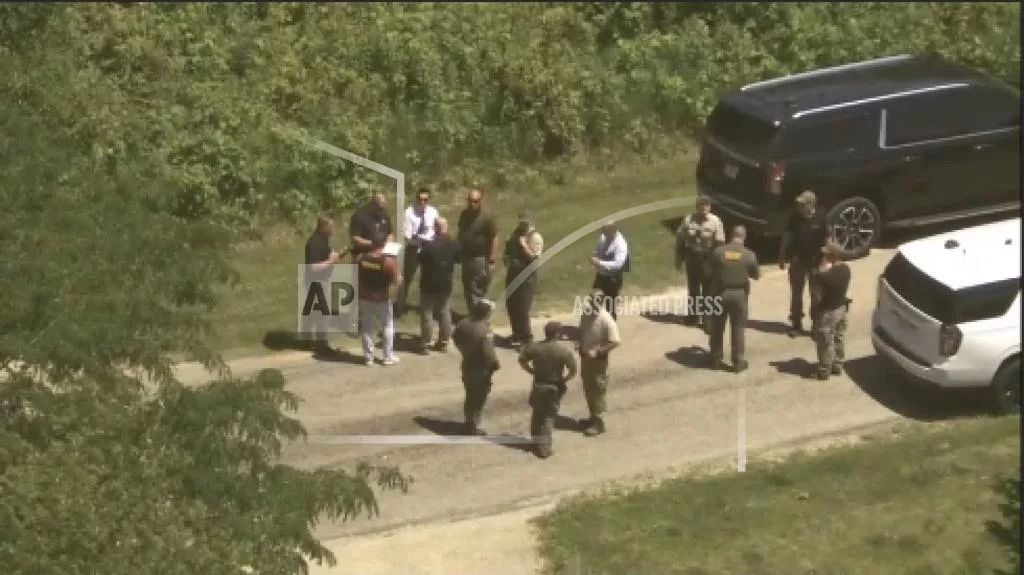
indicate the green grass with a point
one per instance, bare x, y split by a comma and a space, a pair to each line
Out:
264, 300
936, 500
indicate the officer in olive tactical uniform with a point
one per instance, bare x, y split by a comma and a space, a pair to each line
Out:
474, 340
524, 245
732, 268
551, 365
698, 235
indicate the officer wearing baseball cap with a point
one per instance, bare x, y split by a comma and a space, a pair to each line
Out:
474, 340
552, 365
831, 306
800, 249
522, 248
698, 235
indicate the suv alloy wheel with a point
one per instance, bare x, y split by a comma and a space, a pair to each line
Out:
856, 225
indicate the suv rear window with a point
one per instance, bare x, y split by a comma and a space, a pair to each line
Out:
946, 305
746, 134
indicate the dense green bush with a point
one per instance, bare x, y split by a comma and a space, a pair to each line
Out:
444, 92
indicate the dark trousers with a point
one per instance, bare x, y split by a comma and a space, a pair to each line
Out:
735, 311
518, 304
696, 282
800, 273
544, 401
409, 267
477, 384
611, 285
476, 279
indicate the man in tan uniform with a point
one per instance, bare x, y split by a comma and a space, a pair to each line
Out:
551, 365
599, 335
699, 234
523, 247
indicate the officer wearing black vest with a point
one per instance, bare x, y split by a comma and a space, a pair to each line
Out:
732, 268
524, 246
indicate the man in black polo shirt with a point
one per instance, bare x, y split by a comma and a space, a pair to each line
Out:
478, 247
370, 219
801, 245
320, 257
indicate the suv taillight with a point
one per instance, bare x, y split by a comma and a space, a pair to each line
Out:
776, 172
949, 340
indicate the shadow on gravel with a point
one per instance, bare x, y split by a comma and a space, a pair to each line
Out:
693, 357
285, 340
339, 356
447, 427
797, 366
911, 399
667, 318
774, 327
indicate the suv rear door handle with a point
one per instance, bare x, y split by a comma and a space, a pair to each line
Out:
981, 147
911, 158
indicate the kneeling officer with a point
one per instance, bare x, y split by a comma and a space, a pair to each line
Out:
548, 361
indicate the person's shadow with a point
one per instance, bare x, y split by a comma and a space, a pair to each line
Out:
450, 428
693, 357
797, 366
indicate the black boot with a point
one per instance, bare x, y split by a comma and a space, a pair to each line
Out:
596, 427
795, 329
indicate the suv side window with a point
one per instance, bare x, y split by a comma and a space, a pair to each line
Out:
856, 131
937, 115
987, 301
998, 109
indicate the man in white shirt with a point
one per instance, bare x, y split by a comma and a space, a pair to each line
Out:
419, 226
611, 260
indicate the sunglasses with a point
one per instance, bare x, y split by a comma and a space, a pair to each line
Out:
473, 202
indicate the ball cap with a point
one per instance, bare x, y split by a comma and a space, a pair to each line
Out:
807, 197
524, 217
703, 201
552, 329
482, 307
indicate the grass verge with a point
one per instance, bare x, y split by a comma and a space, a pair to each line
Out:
259, 312
935, 499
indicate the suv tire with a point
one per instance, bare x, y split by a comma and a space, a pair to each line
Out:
1006, 388
856, 225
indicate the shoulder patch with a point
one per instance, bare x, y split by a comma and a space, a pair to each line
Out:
732, 255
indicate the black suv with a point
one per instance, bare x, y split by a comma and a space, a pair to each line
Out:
899, 141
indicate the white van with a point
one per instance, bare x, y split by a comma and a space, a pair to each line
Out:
948, 311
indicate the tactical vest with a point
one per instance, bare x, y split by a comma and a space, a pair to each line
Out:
733, 270
701, 243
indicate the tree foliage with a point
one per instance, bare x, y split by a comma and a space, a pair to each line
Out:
437, 90
107, 463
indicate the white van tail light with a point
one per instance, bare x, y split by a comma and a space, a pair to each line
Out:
949, 340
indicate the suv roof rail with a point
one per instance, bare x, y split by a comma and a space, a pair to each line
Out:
826, 71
